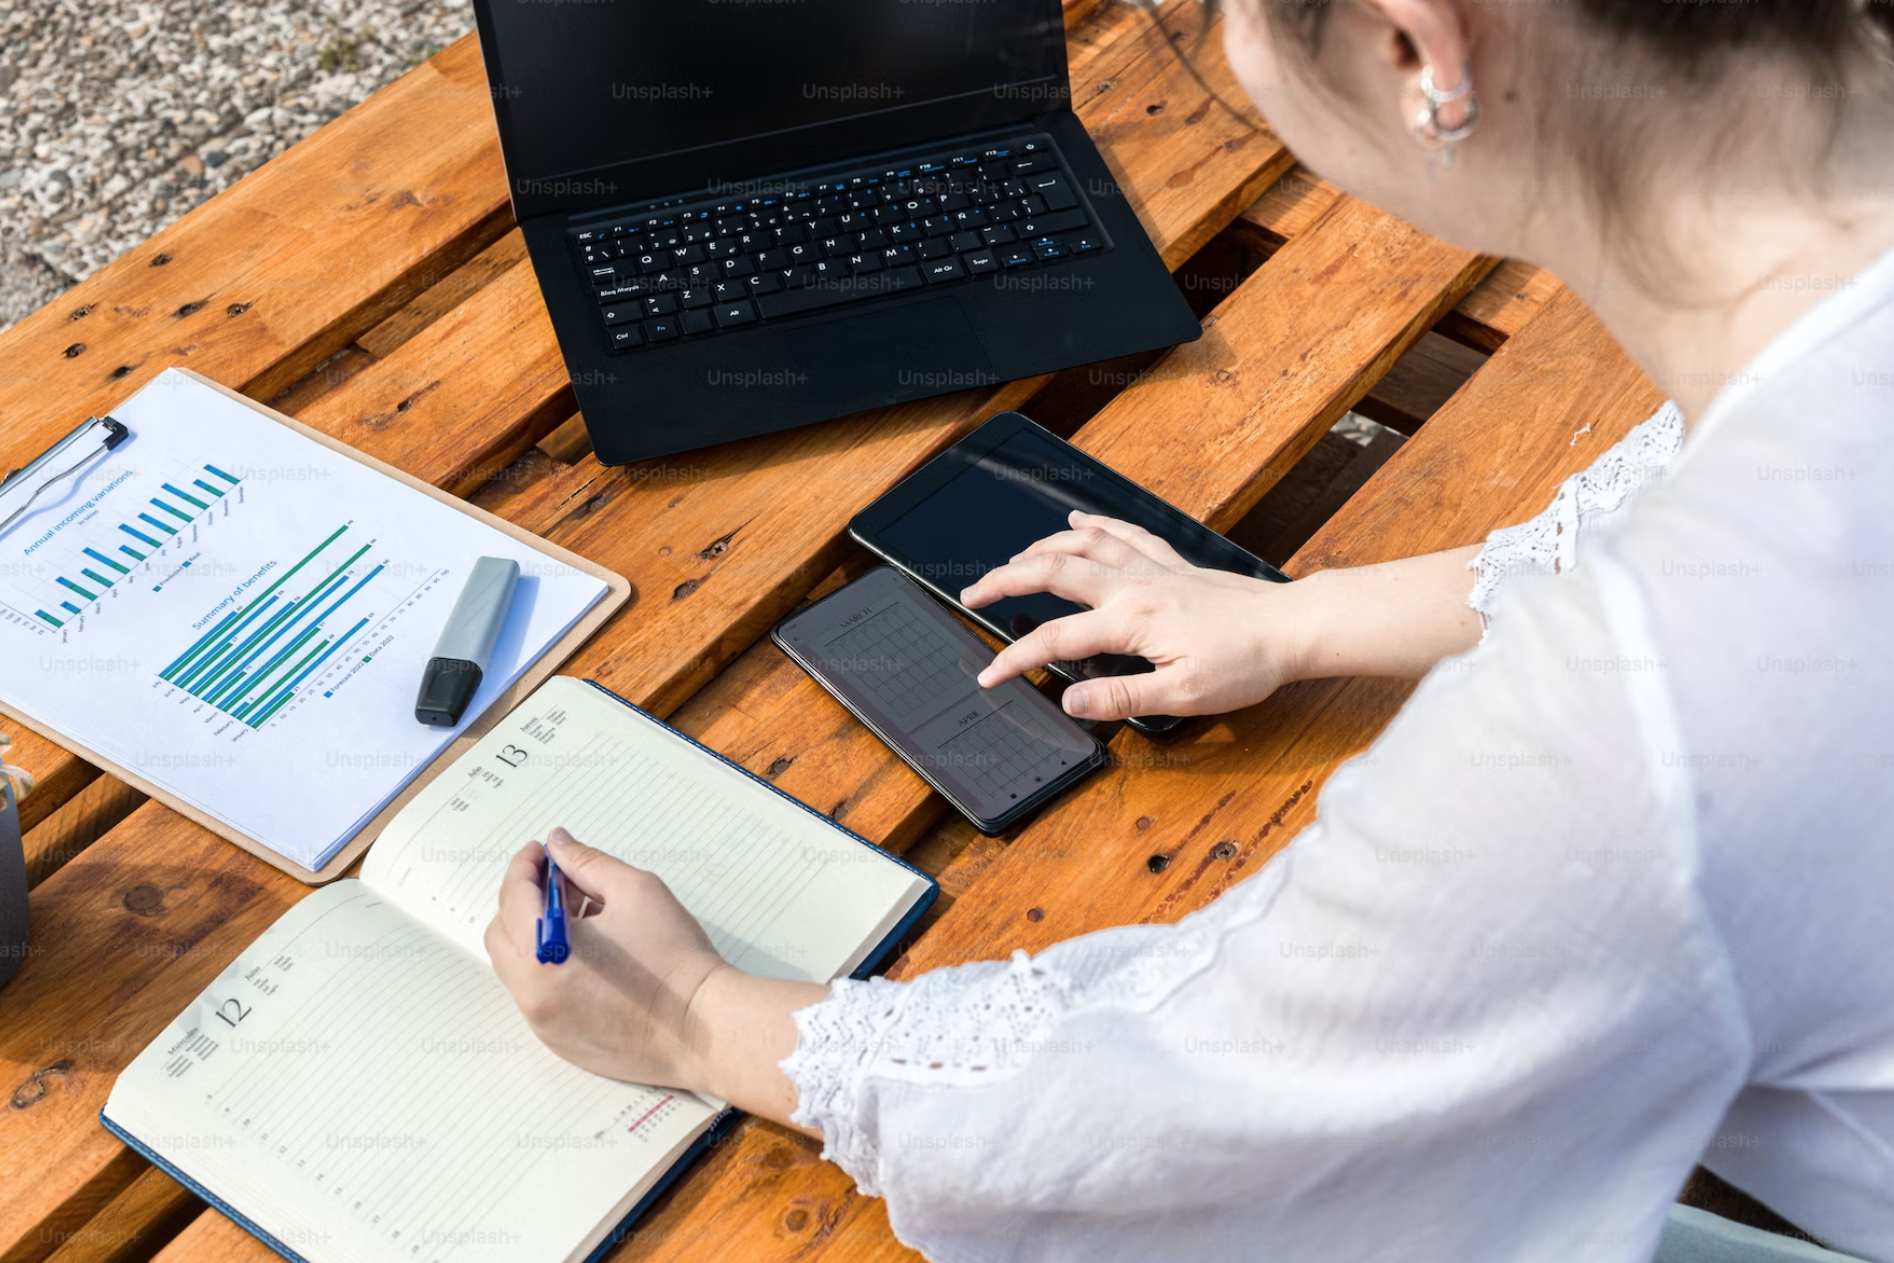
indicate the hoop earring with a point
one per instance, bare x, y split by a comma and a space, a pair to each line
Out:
1427, 127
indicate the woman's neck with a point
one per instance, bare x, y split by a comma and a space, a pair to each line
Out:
1695, 315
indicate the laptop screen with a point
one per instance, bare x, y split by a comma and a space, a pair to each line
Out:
602, 102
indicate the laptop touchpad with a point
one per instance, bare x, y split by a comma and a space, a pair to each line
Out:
925, 348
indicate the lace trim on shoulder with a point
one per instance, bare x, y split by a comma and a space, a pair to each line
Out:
971, 1024
1548, 543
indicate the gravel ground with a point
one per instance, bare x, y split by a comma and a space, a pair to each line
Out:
120, 116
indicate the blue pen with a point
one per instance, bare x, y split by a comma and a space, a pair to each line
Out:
551, 931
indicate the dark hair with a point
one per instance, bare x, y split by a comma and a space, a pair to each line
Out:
1686, 33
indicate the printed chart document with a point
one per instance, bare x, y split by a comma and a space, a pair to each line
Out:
241, 616
358, 1086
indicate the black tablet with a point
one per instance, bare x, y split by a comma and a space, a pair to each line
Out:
1009, 483
905, 666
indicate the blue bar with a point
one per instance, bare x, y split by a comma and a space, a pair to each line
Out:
274, 631
210, 635
96, 555
172, 509
199, 482
96, 577
341, 640
146, 517
196, 675
186, 497
76, 588
129, 551
141, 537
255, 705
309, 633
221, 474
69, 605
49, 618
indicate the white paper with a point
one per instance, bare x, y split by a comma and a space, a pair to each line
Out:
213, 525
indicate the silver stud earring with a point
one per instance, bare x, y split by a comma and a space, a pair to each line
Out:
1427, 127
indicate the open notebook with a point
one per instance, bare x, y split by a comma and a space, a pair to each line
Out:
359, 1086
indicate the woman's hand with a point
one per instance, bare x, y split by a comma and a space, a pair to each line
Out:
644, 996
1221, 641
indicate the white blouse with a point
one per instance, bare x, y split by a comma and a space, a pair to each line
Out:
1610, 897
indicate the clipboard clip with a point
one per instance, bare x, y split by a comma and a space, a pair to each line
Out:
22, 488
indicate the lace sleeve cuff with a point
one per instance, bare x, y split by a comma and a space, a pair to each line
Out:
1548, 543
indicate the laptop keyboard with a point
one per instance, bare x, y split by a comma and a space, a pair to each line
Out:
836, 238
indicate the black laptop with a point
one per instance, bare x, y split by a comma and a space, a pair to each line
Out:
747, 215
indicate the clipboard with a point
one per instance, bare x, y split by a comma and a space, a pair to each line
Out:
617, 595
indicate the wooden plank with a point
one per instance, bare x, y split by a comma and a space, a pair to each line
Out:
210, 1236
1287, 207
58, 774
1501, 305
656, 532
91, 813
1181, 820
1495, 309
77, 1210
152, 1207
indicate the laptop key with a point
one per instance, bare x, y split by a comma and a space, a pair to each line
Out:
730, 315
661, 305
696, 322
965, 241
948, 269
999, 235
979, 262
1048, 249
625, 313
1043, 225
1016, 257
661, 329
1052, 187
697, 296
1083, 242
625, 338
764, 283
934, 248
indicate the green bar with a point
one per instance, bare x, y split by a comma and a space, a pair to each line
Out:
76, 588
264, 718
49, 618
227, 701
96, 577
221, 474
287, 612
174, 511
261, 596
186, 497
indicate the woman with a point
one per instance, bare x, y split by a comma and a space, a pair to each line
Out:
1655, 800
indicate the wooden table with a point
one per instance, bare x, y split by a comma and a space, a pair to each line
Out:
370, 282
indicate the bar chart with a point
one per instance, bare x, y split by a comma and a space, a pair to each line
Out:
255, 658
104, 563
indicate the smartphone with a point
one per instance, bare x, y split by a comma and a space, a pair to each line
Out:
1009, 483
906, 667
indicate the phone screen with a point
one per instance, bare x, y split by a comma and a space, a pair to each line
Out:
906, 667
1009, 495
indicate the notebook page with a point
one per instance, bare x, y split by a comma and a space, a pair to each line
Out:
782, 892
365, 1090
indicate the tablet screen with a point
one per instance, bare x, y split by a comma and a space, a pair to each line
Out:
1021, 491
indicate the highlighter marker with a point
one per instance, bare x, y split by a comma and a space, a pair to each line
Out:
460, 659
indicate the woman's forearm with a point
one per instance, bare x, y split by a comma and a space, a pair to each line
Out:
741, 1026
1397, 618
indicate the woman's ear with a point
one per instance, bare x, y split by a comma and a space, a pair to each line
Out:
1426, 33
